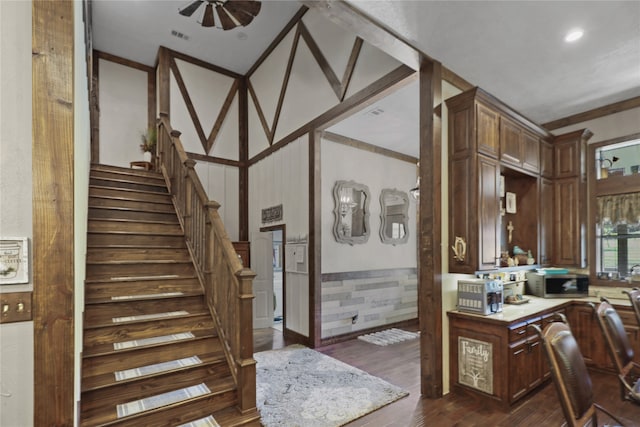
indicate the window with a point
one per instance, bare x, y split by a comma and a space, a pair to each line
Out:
618, 249
615, 209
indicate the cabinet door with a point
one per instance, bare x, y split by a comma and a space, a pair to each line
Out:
530, 152
546, 222
585, 329
546, 159
518, 370
537, 363
567, 159
487, 131
462, 218
510, 142
569, 226
488, 213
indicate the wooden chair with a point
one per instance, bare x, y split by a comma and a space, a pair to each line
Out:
570, 376
620, 350
634, 296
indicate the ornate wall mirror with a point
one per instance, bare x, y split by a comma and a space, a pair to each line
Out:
394, 216
351, 212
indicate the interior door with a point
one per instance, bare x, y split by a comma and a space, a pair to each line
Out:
262, 265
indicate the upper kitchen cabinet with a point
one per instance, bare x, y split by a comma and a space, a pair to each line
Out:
488, 139
570, 199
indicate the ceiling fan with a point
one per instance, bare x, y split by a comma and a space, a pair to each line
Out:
231, 13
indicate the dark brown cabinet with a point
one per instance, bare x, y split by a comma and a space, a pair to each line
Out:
546, 159
546, 210
517, 358
570, 197
488, 139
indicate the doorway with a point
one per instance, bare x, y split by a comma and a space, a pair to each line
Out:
270, 285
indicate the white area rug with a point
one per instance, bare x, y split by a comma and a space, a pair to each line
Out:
300, 387
390, 336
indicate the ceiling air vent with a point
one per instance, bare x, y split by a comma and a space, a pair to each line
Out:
179, 35
375, 112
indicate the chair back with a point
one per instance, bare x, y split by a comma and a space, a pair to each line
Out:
616, 337
570, 375
634, 296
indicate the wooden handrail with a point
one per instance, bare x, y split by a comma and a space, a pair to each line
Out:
228, 286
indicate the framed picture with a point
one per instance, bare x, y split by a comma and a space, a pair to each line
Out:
14, 260
511, 203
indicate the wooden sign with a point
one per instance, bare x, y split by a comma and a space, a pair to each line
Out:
475, 364
272, 214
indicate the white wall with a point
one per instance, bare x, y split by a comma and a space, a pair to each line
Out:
344, 163
123, 113
282, 178
16, 351
608, 127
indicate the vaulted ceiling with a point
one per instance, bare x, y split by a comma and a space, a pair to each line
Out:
514, 50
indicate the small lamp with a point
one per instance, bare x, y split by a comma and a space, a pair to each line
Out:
604, 170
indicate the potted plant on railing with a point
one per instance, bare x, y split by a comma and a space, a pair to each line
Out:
148, 144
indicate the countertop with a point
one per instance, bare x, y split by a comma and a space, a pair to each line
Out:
512, 312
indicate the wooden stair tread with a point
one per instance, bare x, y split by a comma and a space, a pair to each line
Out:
108, 416
100, 315
113, 333
105, 349
158, 279
139, 253
113, 202
230, 417
128, 191
105, 380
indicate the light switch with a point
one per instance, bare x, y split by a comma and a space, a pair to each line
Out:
16, 307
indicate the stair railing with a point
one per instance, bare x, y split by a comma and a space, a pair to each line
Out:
228, 287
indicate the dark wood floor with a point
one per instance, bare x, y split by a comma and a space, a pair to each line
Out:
399, 364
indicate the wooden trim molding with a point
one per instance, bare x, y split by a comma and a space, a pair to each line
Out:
212, 159
456, 80
222, 116
53, 199
351, 66
256, 103
328, 72
315, 239
616, 107
200, 63
367, 274
372, 31
292, 22
124, 61
365, 146
285, 83
173, 65
243, 155
397, 78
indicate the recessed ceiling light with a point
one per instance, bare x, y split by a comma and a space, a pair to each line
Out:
573, 35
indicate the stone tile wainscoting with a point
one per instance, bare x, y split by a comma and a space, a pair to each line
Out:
358, 300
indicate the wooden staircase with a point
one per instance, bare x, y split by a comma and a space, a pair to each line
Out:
151, 355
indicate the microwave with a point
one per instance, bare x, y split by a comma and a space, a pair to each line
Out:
557, 285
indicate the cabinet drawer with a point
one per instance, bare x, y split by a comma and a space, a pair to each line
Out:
518, 332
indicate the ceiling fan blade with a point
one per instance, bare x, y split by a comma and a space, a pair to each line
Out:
208, 19
240, 16
250, 7
225, 19
188, 11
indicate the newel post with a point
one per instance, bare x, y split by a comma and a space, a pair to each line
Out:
245, 361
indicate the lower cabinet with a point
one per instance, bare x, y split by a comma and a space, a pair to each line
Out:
515, 360
503, 360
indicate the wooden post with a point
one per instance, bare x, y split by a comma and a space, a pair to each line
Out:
430, 232
189, 165
243, 341
53, 214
